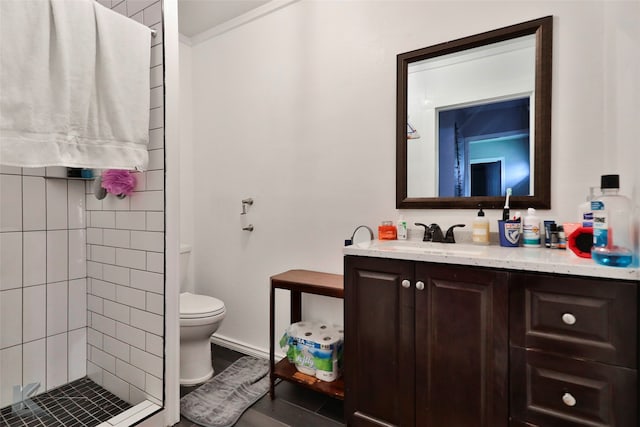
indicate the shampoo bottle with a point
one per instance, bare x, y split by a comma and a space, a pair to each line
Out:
531, 229
480, 229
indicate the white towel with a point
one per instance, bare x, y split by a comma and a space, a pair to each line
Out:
74, 86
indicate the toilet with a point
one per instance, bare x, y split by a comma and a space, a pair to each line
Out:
200, 317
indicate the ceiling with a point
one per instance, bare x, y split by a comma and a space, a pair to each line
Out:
196, 16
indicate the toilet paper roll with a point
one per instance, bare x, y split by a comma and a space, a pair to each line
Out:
326, 352
329, 376
315, 348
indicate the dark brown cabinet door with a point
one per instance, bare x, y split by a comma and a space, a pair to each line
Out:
461, 346
379, 333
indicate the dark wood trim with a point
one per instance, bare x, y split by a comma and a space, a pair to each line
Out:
287, 371
543, 29
310, 282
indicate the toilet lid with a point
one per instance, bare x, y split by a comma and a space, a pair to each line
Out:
192, 305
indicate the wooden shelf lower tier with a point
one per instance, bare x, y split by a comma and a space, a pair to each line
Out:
287, 371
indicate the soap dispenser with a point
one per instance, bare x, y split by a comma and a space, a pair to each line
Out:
480, 229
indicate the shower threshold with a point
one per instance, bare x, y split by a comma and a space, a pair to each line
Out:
81, 403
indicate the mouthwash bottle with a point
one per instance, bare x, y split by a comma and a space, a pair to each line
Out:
612, 225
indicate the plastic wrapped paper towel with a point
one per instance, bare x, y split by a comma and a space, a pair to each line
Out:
315, 348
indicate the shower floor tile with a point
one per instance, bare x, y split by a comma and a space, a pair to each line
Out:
81, 403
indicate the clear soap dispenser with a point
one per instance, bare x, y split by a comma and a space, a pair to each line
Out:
480, 229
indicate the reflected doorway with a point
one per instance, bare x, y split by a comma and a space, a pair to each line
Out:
486, 178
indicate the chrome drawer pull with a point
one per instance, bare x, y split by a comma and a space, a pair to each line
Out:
569, 400
419, 285
569, 318
406, 283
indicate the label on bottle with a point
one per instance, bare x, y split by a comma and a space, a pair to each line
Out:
402, 230
587, 219
600, 225
531, 234
480, 233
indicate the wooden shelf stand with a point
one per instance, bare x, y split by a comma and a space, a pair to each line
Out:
299, 282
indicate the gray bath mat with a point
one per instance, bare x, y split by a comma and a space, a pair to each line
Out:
221, 401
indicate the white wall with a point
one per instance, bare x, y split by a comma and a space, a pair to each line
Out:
187, 201
297, 110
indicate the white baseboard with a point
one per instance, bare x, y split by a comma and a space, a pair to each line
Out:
243, 347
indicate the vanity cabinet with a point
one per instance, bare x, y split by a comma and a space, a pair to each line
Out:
438, 345
425, 344
574, 355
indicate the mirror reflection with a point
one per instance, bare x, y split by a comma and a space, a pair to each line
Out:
484, 149
466, 106
477, 117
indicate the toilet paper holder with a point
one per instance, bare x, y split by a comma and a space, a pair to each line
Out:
245, 204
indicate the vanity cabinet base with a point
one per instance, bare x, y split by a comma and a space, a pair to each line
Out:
440, 345
425, 344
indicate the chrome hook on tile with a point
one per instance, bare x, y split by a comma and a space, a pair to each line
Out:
98, 191
248, 227
245, 204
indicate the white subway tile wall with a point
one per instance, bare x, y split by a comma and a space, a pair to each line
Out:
82, 279
125, 289
11, 370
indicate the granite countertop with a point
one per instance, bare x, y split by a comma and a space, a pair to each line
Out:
522, 259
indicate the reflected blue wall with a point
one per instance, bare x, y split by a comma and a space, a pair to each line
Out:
494, 120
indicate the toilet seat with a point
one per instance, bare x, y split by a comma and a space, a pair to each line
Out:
198, 306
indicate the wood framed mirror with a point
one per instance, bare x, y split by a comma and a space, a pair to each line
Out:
474, 119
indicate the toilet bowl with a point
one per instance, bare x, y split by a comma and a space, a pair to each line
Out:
200, 317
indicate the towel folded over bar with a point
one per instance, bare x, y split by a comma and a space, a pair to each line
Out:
74, 86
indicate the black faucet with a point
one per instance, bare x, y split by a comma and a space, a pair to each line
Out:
449, 238
433, 233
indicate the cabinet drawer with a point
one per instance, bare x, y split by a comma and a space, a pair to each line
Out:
549, 390
594, 319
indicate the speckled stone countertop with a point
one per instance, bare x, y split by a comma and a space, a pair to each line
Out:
523, 259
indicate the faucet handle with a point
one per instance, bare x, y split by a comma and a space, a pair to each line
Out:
428, 232
449, 238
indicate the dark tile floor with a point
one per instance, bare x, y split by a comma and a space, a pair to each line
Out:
294, 406
81, 403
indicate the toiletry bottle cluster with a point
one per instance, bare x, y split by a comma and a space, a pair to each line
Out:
387, 230
604, 231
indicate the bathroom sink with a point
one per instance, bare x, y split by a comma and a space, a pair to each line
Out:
452, 249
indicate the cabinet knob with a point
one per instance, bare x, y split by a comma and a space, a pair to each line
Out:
419, 285
406, 283
569, 400
568, 318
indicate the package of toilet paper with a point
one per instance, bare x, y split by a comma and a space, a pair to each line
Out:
315, 348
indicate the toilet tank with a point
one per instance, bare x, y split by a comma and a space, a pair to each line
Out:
185, 253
